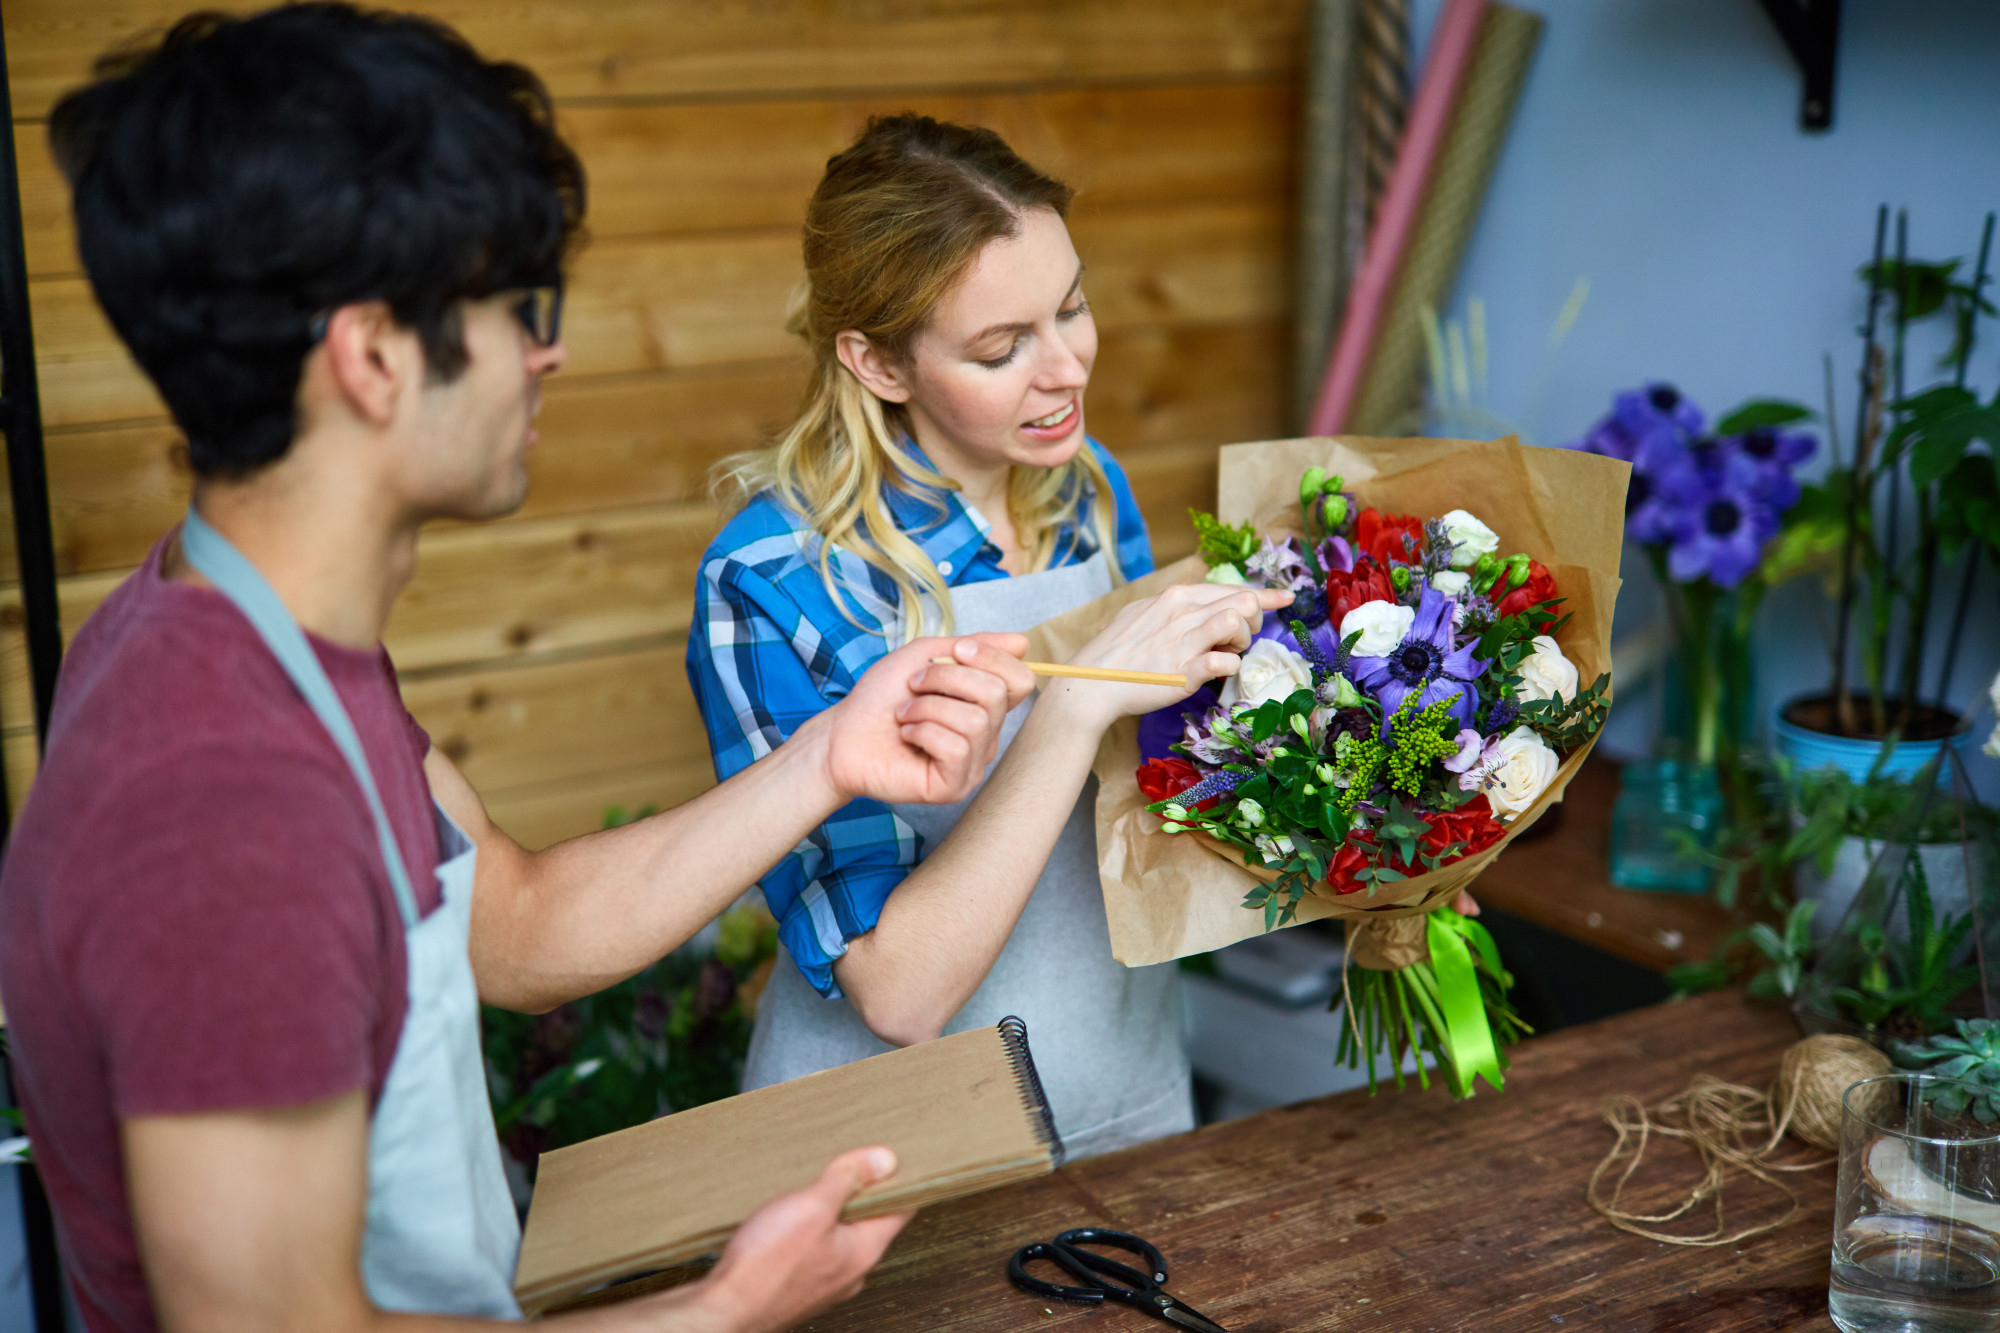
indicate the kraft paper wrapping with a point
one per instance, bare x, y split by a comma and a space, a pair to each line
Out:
1168, 895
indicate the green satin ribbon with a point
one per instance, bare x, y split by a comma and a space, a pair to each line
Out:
1468, 1037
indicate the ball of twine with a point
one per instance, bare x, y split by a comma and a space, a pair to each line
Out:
1811, 1080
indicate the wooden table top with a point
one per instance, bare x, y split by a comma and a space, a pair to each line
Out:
1407, 1212
1562, 882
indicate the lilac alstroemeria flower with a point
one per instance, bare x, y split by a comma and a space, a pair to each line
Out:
1478, 758
1200, 742
1425, 660
1722, 535
1281, 564
1158, 730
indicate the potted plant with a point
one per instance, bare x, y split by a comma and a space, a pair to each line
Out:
1890, 576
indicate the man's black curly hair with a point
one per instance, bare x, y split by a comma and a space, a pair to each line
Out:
244, 175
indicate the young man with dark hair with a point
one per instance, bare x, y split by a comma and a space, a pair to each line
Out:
239, 932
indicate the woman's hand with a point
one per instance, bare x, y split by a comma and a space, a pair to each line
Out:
1197, 630
913, 730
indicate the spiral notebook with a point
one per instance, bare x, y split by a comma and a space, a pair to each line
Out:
964, 1113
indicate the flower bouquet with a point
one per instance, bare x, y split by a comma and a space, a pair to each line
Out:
1438, 679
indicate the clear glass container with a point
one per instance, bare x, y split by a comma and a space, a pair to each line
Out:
1664, 807
1916, 1225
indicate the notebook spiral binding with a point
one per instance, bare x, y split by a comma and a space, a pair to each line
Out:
1014, 1036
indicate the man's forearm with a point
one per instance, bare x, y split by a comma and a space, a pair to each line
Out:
568, 921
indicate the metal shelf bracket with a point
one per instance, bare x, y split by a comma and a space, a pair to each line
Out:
1811, 29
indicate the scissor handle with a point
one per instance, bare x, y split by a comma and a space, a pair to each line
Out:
1076, 1238
1063, 1258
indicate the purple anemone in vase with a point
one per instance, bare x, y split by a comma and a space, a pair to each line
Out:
1721, 532
1428, 660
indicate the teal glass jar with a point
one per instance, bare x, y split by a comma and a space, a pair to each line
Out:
1663, 806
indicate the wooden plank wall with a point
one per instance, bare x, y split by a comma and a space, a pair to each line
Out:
544, 652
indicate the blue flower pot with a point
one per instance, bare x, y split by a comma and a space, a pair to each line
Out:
1809, 749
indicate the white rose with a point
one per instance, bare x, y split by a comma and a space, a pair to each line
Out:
1224, 574
1382, 626
1527, 767
1470, 539
1451, 582
1546, 673
1269, 671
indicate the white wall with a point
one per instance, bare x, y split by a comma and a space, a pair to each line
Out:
1656, 152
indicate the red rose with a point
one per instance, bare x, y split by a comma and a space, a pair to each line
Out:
1161, 779
1352, 857
1539, 587
1347, 589
1472, 824
1382, 536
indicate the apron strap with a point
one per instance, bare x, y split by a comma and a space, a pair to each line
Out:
238, 580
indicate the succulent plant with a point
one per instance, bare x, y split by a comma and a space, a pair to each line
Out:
1971, 1056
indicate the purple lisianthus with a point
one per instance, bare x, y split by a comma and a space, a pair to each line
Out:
1335, 553
1425, 660
1721, 533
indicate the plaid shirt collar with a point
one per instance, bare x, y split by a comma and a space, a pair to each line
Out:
955, 535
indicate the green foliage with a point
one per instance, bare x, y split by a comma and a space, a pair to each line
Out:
1762, 412
1914, 976
1221, 544
1568, 724
671, 1037
1789, 954
1973, 1056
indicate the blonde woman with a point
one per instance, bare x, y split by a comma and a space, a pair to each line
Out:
938, 478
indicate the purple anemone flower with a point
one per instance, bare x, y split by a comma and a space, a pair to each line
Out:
1643, 420
1425, 660
1722, 534
1775, 453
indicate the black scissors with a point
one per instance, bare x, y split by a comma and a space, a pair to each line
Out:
1106, 1279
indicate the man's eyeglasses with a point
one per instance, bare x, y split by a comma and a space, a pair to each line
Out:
538, 308
540, 312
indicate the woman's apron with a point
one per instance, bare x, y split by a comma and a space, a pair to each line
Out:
442, 1235
1106, 1038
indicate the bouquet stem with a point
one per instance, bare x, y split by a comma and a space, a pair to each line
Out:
1449, 1009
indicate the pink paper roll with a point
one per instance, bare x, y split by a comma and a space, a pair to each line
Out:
1451, 51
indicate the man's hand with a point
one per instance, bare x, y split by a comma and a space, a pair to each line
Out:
794, 1257
913, 730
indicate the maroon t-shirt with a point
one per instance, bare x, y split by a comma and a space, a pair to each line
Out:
194, 915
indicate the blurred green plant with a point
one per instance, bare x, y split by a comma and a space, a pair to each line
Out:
671, 1037
1972, 1056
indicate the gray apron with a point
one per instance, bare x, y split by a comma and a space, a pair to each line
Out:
1106, 1038
442, 1235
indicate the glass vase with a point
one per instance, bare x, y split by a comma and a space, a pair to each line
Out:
1667, 809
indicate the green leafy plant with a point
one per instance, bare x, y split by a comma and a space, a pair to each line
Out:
1972, 1056
1910, 979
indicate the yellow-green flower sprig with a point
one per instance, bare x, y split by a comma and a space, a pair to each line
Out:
1417, 741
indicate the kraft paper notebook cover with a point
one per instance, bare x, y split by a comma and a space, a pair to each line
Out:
964, 1113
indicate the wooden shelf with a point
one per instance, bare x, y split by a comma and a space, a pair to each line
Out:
1561, 880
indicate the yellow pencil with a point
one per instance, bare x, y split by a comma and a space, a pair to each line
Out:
1092, 673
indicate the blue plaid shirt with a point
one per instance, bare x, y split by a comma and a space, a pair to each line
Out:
769, 648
